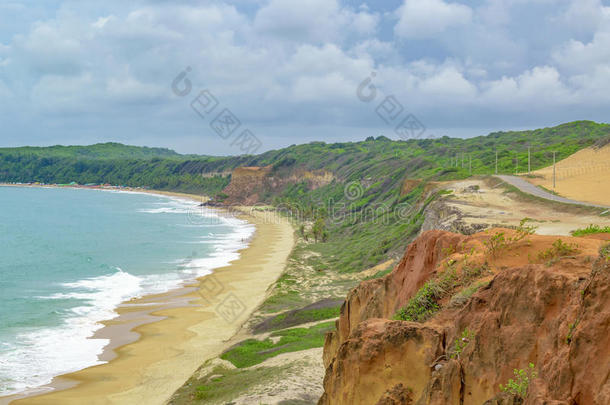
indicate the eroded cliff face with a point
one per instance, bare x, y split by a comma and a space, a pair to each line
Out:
552, 312
249, 185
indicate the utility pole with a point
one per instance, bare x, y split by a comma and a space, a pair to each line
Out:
554, 172
496, 161
517, 164
529, 157
470, 164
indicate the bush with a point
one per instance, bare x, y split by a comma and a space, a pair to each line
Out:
425, 302
520, 384
558, 250
460, 343
590, 230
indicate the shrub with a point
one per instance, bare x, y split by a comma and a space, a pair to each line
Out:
496, 243
499, 241
590, 230
425, 302
558, 250
460, 343
520, 384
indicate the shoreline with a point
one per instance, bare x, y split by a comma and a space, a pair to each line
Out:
158, 341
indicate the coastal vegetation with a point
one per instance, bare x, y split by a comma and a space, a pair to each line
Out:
254, 351
591, 230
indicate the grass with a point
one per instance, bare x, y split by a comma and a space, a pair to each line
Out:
223, 384
327, 309
253, 351
591, 230
425, 303
461, 297
380, 274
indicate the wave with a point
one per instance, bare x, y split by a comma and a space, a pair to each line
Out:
37, 356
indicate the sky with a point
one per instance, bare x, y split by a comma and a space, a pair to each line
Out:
204, 76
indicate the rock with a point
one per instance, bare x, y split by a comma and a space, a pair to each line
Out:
556, 317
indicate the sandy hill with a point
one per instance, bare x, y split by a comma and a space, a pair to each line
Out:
583, 176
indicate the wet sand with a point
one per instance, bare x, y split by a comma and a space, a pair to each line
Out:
159, 341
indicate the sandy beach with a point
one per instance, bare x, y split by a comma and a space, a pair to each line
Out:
159, 341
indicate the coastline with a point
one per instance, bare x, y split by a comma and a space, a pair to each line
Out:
158, 341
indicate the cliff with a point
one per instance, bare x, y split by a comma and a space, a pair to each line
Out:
499, 308
250, 185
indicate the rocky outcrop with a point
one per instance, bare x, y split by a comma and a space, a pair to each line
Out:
555, 315
445, 217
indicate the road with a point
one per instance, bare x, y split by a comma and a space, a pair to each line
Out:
529, 188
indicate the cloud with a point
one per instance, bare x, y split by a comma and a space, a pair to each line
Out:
579, 57
427, 18
315, 21
297, 65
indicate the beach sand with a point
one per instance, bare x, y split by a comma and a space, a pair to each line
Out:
179, 330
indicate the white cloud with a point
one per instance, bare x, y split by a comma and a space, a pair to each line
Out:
540, 87
448, 83
316, 21
427, 18
576, 56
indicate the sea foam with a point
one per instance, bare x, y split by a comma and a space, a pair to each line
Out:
42, 354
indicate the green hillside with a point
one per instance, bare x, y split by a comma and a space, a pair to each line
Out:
109, 150
375, 158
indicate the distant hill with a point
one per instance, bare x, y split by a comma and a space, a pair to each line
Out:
378, 161
109, 150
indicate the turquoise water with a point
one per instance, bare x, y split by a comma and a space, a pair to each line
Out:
68, 257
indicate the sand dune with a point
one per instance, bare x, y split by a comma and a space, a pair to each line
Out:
583, 176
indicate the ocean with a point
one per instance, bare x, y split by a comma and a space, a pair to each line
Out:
69, 257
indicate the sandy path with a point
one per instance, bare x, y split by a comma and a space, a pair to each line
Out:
170, 350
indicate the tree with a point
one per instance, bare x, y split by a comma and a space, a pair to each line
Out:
319, 230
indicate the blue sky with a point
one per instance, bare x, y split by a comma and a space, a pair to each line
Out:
80, 72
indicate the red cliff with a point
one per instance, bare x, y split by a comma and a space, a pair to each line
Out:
538, 304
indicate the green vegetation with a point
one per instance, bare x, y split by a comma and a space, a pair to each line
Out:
223, 384
519, 386
557, 251
378, 159
253, 351
591, 230
571, 332
459, 344
604, 252
380, 273
425, 303
311, 313
461, 297
496, 243
499, 241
